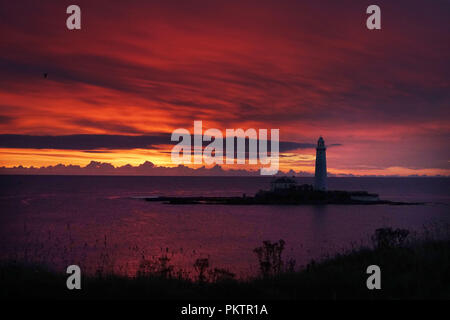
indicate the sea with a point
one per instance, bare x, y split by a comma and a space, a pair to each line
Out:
103, 224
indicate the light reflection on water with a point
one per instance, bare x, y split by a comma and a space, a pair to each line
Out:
94, 221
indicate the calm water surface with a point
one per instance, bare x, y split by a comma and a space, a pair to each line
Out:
99, 221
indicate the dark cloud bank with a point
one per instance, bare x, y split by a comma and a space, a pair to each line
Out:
111, 142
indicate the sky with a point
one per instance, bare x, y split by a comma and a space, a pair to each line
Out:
138, 70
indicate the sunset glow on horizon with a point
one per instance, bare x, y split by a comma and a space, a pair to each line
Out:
380, 99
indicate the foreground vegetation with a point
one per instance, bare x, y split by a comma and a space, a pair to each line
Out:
410, 269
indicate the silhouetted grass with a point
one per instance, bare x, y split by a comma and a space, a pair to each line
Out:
410, 269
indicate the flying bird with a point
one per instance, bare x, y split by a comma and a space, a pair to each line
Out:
45, 75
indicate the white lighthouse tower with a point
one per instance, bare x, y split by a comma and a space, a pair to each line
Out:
320, 178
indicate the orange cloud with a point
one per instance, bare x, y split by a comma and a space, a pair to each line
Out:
150, 67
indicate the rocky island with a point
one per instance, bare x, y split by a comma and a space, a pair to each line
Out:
286, 191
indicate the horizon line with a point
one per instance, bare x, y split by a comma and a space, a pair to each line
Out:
147, 168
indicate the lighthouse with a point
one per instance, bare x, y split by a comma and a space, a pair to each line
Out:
320, 178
